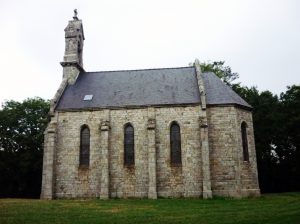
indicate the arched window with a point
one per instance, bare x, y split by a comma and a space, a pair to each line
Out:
175, 141
128, 145
245, 141
84, 146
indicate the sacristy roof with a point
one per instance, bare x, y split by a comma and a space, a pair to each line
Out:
149, 87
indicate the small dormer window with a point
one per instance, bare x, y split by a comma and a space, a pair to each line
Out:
88, 97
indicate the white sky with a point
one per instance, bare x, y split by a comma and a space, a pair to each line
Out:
259, 39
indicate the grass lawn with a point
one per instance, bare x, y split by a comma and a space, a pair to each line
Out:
270, 208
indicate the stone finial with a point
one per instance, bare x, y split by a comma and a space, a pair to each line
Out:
104, 126
197, 62
75, 14
203, 122
51, 127
151, 123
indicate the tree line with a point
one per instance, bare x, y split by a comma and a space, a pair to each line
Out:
276, 121
21, 147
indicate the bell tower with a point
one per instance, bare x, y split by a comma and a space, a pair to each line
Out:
74, 38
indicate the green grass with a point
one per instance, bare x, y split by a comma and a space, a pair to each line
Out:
270, 208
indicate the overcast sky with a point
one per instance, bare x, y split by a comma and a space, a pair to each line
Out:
259, 39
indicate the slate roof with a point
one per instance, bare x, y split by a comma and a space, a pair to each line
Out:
167, 86
132, 88
217, 93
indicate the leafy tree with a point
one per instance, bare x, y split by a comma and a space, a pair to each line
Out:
223, 72
265, 118
21, 140
288, 139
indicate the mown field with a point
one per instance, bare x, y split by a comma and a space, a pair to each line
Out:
270, 208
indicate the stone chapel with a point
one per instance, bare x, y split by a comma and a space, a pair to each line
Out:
167, 132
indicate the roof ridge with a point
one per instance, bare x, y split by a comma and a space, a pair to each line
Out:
146, 69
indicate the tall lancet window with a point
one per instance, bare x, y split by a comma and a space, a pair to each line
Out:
175, 141
128, 145
84, 159
245, 141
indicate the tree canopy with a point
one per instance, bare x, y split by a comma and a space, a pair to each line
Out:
21, 147
223, 72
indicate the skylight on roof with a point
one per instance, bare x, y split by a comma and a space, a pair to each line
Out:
88, 97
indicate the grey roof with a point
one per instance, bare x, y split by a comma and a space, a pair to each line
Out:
167, 86
132, 88
217, 93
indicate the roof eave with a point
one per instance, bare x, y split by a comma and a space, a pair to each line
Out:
126, 107
249, 108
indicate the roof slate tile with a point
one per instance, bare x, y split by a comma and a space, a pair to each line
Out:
167, 86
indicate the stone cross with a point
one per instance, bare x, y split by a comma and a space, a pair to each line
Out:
75, 14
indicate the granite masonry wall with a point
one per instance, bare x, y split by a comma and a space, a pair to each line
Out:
230, 174
185, 180
71, 180
248, 169
152, 175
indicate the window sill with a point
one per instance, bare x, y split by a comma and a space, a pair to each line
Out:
246, 163
129, 166
176, 165
83, 167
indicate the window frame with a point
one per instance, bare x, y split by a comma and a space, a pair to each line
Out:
84, 154
245, 144
175, 150
129, 147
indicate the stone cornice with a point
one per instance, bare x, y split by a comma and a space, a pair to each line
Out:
127, 107
72, 63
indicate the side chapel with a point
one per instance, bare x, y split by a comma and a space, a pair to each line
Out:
167, 132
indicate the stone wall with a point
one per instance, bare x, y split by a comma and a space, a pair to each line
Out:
230, 175
249, 176
128, 181
107, 176
182, 180
71, 180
